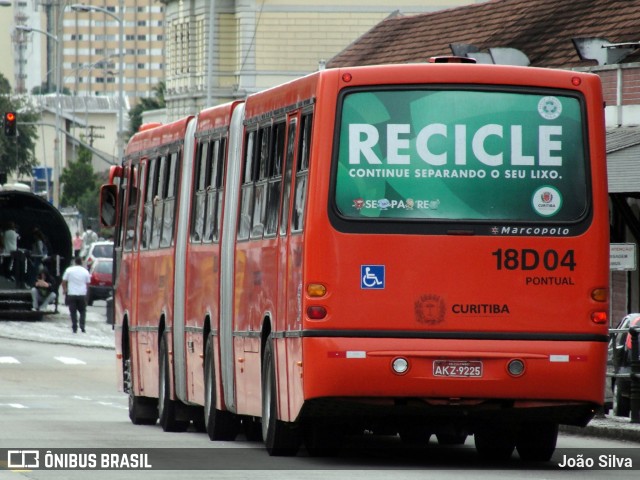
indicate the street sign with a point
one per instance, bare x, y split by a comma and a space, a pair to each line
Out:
622, 256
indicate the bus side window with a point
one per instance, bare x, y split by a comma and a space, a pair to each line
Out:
219, 187
132, 205
151, 185
262, 173
141, 180
158, 203
275, 179
211, 192
302, 174
246, 205
288, 169
120, 235
170, 200
199, 197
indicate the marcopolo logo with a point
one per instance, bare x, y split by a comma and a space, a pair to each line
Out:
546, 201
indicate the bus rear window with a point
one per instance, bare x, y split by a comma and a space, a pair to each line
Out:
470, 155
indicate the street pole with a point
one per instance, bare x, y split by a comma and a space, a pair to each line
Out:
57, 162
120, 20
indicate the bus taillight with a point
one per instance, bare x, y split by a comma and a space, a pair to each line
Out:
316, 312
599, 318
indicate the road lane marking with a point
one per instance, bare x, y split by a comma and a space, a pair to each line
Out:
13, 405
70, 361
8, 360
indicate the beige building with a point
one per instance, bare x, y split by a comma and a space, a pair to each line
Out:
92, 46
255, 44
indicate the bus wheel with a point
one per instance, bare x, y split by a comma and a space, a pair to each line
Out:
142, 410
280, 438
495, 443
167, 407
220, 425
537, 441
621, 404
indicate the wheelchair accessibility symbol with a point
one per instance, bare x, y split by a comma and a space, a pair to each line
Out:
371, 277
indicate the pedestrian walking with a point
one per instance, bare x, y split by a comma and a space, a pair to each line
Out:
74, 287
77, 244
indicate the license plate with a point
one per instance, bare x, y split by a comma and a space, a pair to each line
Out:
457, 368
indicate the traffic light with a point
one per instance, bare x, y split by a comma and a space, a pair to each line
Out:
10, 124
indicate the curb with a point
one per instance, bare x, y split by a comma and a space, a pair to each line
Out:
612, 428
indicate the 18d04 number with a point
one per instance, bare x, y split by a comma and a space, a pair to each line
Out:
530, 259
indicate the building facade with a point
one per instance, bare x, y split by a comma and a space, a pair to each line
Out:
92, 47
224, 49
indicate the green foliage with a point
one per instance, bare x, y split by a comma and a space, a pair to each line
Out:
81, 186
5, 86
152, 103
17, 154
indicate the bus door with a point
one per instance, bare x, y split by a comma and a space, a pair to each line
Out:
127, 288
287, 288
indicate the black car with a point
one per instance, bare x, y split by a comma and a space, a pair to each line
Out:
619, 365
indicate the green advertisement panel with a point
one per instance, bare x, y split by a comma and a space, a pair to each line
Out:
461, 155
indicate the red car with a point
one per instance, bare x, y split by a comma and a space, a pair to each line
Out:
101, 285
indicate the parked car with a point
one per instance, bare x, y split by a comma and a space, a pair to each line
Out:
98, 250
619, 365
101, 285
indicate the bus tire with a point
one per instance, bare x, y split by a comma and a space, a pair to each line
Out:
280, 438
621, 405
166, 407
219, 424
495, 442
142, 410
537, 441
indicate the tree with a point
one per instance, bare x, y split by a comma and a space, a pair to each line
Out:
80, 185
17, 154
152, 103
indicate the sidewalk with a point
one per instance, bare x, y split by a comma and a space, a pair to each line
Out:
608, 426
56, 328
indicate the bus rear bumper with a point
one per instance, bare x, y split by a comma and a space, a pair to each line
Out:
559, 381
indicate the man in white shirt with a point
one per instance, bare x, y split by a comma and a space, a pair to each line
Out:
74, 287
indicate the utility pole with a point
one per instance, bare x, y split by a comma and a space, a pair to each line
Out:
92, 134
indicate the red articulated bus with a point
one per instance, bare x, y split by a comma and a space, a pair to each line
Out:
410, 249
